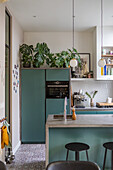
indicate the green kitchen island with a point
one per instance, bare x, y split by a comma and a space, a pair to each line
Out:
94, 130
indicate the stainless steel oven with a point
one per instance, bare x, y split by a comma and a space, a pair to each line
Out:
57, 89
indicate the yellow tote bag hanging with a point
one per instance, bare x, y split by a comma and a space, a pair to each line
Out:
4, 137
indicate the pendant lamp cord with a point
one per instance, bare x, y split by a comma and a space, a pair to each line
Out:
101, 26
73, 22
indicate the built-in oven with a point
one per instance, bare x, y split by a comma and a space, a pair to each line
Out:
57, 89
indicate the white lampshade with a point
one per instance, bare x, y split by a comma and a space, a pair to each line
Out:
73, 62
101, 62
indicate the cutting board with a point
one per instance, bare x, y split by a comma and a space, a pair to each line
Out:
104, 104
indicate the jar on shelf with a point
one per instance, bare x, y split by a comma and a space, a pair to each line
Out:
108, 61
104, 51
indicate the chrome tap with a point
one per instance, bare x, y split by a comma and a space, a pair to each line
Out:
65, 104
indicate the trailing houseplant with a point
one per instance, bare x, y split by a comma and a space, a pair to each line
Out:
26, 54
41, 52
91, 97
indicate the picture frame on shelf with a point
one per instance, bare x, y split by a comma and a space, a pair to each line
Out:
85, 59
84, 68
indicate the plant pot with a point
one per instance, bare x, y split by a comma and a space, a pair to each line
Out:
91, 103
27, 65
34, 65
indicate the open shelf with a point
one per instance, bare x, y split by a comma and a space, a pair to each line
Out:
82, 79
109, 64
107, 55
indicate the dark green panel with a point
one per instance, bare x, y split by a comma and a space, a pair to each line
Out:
56, 106
33, 105
95, 137
85, 112
57, 74
105, 112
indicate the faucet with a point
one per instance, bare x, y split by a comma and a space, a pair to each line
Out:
65, 104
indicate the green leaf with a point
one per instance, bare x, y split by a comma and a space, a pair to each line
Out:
88, 95
95, 92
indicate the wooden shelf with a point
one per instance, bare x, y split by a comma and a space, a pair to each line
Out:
82, 79
109, 64
107, 55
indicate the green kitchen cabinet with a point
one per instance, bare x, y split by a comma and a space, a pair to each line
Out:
33, 105
56, 106
105, 112
85, 112
93, 136
57, 74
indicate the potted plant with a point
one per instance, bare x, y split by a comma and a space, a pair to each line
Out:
51, 60
41, 52
63, 58
26, 54
91, 98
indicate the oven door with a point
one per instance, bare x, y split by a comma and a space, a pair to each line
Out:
57, 89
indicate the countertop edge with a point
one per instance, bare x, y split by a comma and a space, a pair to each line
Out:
81, 121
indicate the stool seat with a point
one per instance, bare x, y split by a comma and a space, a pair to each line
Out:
76, 146
108, 145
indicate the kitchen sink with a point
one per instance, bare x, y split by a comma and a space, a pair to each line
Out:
62, 116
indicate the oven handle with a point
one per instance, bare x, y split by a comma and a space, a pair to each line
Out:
57, 86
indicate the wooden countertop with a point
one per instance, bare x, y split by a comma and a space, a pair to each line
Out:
100, 120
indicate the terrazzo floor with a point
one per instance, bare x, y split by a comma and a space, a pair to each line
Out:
29, 157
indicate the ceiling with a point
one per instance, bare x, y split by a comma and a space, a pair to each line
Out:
56, 15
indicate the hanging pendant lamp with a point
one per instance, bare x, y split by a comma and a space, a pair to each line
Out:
73, 62
102, 61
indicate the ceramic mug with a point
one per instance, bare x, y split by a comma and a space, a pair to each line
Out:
109, 100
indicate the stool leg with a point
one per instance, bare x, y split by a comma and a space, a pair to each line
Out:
104, 159
67, 155
112, 160
76, 156
87, 155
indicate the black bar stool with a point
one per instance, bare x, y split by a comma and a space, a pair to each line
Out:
108, 145
72, 165
2, 166
77, 147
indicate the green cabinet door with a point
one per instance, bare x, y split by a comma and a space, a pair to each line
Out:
57, 74
33, 106
85, 112
56, 106
105, 112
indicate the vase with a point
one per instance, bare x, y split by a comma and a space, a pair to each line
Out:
91, 102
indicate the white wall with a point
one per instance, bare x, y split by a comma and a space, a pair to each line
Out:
58, 41
108, 36
104, 88
2, 67
17, 40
